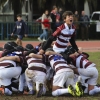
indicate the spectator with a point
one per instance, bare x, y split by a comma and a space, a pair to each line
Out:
59, 17
76, 19
21, 29
84, 26
60, 11
46, 19
53, 15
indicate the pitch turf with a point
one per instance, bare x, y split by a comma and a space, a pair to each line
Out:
94, 57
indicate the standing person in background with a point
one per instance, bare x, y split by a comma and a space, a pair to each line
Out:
76, 19
59, 20
46, 19
60, 11
84, 26
53, 15
20, 29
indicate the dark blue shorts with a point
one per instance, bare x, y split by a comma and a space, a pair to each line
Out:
20, 37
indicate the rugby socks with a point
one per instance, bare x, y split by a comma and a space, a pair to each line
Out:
37, 86
44, 89
21, 82
94, 91
7, 92
60, 92
30, 85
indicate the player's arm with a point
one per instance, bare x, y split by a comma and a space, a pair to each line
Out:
74, 55
52, 53
14, 58
49, 42
51, 39
31, 51
35, 55
73, 43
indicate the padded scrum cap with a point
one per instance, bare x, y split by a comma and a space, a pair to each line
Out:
10, 45
7, 46
29, 47
19, 48
13, 44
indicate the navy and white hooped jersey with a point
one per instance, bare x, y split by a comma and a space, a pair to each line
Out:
63, 34
81, 62
59, 65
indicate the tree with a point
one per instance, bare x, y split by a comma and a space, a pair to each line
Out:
16, 5
92, 5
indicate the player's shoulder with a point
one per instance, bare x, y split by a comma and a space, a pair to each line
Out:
61, 27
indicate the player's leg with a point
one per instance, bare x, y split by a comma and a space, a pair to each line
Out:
6, 75
40, 84
29, 75
58, 83
21, 82
92, 81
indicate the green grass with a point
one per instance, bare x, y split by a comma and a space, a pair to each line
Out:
94, 57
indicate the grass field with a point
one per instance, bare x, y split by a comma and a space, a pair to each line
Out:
94, 57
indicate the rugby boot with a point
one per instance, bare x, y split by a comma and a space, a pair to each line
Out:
40, 92
79, 90
71, 90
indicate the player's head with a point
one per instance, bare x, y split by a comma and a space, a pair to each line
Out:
8, 46
68, 17
19, 48
13, 44
29, 47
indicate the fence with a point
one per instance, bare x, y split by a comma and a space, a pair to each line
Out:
34, 29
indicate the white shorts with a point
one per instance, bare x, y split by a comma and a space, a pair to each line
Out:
61, 78
7, 74
90, 72
35, 76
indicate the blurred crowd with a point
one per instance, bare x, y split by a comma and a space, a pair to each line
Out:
80, 21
